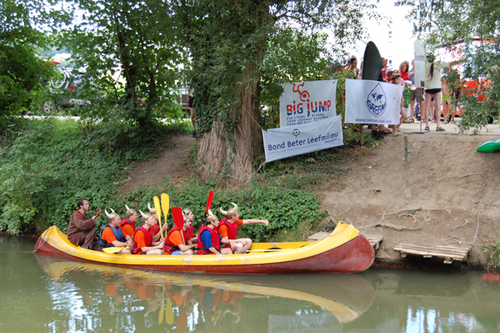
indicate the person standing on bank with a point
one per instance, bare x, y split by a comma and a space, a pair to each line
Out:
433, 89
81, 229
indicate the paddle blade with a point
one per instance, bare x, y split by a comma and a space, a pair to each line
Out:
160, 315
169, 313
165, 204
113, 249
156, 201
209, 201
178, 218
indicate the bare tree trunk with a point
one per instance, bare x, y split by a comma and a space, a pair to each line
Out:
215, 154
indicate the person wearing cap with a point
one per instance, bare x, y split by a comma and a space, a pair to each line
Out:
389, 71
209, 239
177, 240
111, 235
81, 229
228, 228
128, 224
143, 242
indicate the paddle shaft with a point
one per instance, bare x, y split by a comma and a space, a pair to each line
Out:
156, 201
165, 205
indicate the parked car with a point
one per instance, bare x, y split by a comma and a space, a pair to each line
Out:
64, 87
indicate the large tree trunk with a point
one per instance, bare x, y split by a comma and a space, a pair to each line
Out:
216, 155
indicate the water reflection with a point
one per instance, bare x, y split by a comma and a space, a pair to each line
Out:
90, 297
38, 294
430, 302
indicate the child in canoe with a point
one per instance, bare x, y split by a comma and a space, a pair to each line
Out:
143, 237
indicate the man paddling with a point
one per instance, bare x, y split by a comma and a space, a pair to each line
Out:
178, 241
112, 236
156, 228
209, 239
143, 238
81, 229
228, 228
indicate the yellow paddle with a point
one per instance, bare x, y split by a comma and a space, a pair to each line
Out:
114, 249
165, 204
169, 313
156, 201
160, 315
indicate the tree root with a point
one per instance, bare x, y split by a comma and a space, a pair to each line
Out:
397, 227
455, 177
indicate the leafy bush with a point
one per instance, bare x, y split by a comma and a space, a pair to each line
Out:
50, 165
284, 208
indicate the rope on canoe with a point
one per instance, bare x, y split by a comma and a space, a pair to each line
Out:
40, 245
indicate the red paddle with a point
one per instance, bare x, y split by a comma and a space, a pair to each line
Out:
209, 200
99, 212
178, 219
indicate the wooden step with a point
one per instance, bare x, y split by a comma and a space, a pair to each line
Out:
374, 239
448, 252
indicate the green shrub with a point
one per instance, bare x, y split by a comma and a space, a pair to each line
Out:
49, 165
284, 208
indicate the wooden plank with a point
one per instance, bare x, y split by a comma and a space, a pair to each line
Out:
448, 252
458, 251
432, 251
374, 239
317, 236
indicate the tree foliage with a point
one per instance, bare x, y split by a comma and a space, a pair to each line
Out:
131, 53
469, 27
229, 42
47, 165
22, 70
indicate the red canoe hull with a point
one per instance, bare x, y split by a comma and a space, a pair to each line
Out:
354, 256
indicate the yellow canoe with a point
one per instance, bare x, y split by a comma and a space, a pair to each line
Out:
344, 251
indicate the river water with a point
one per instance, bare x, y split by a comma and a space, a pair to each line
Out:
45, 294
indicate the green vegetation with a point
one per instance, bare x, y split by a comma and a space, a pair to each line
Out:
494, 255
46, 165
22, 70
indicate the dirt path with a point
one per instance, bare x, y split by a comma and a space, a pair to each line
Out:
172, 162
435, 198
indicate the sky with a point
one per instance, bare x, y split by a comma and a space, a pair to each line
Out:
394, 41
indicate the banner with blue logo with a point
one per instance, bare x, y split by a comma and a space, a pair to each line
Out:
306, 102
372, 102
284, 142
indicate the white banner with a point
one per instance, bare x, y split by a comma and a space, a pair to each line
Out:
419, 68
372, 102
291, 141
306, 102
